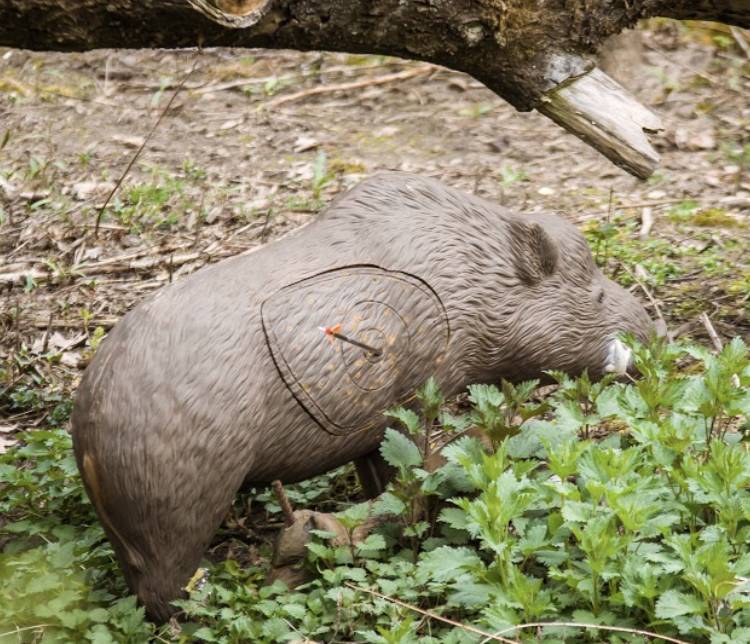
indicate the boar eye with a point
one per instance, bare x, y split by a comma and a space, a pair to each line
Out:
600, 296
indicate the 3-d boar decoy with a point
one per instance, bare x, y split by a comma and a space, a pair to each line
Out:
278, 364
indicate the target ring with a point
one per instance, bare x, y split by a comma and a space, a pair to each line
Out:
380, 326
345, 387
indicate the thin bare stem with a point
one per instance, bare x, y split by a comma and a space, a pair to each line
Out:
616, 629
25, 628
134, 158
715, 339
498, 636
471, 629
654, 303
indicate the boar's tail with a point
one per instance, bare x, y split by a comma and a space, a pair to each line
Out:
133, 558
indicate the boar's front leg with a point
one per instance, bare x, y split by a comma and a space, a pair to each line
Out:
373, 473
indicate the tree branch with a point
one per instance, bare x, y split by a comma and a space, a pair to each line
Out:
532, 53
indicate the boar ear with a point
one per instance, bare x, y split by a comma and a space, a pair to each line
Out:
535, 254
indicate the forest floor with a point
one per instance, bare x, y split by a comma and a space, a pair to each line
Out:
248, 145
255, 143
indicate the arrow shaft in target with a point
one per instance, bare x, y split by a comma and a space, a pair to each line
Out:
357, 343
333, 332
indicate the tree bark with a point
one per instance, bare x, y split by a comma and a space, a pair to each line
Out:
526, 51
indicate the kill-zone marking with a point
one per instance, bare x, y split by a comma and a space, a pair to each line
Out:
334, 332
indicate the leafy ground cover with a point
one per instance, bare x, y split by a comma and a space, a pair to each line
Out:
606, 508
620, 506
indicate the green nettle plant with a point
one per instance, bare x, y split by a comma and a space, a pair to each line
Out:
58, 579
588, 511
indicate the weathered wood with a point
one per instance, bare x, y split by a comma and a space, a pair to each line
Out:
235, 14
520, 49
601, 112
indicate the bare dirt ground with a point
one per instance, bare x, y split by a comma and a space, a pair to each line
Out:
256, 142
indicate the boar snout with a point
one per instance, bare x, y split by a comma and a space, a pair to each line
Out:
619, 358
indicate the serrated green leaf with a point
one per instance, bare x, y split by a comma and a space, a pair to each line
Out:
446, 563
98, 615
429, 394
454, 517
399, 450
275, 628
100, 634
673, 603
206, 634
408, 418
737, 636
372, 542
355, 515
471, 595
578, 512
389, 503
321, 551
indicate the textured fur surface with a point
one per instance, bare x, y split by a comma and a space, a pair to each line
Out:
184, 400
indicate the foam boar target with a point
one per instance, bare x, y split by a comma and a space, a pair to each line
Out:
224, 379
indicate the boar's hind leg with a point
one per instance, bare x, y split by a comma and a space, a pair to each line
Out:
159, 532
174, 550
373, 473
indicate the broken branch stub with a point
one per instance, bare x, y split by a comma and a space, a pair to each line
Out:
605, 115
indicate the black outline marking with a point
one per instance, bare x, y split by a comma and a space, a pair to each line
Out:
269, 334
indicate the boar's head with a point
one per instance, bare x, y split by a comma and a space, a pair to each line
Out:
552, 307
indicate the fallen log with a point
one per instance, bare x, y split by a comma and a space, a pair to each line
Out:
533, 53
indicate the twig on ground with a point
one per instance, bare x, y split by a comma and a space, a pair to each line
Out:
105, 226
715, 339
647, 222
704, 75
106, 323
144, 252
23, 267
114, 265
264, 230
651, 203
203, 88
440, 618
739, 37
45, 339
343, 87
283, 499
8, 188
239, 82
16, 326
657, 309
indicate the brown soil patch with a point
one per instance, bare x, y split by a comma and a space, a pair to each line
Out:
257, 142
